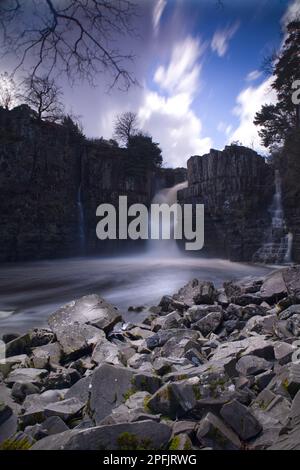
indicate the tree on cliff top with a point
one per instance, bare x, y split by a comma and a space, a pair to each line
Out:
144, 153
74, 37
125, 127
279, 120
43, 96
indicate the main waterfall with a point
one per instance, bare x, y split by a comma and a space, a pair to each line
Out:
278, 246
164, 247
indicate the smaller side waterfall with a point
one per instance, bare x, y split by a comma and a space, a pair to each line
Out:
80, 211
278, 246
165, 247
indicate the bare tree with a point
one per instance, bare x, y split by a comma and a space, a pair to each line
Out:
8, 92
125, 127
44, 96
76, 37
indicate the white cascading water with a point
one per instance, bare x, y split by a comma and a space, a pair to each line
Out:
165, 247
278, 247
80, 219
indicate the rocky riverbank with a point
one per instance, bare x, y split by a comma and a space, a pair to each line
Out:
207, 369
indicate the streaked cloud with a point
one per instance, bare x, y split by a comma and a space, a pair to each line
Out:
158, 10
221, 39
254, 75
292, 12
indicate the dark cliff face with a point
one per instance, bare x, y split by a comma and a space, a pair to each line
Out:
236, 187
289, 167
51, 182
39, 165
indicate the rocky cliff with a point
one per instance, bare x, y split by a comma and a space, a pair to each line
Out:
289, 167
52, 179
236, 187
39, 177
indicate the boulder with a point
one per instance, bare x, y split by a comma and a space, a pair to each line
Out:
76, 339
13, 362
47, 355
23, 344
126, 436
252, 365
90, 309
110, 386
105, 351
241, 420
27, 375
210, 323
65, 409
213, 432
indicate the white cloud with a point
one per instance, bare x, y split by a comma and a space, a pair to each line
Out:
157, 14
249, 102
221, 38
171, 119
254, 75
292, 12
224, 128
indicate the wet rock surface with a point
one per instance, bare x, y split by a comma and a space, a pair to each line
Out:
211, 368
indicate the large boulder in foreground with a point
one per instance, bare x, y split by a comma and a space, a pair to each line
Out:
90, 309
282, 283
126, 436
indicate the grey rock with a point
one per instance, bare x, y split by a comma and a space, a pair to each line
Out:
127, 436
76, 339
110, 386
13, 362
212, 432
20, 390
44, 356
293, 324
252, 365
24, 343
28, 375
210, 323
80, 389
288, 312
241, 420
287, 441
182, 426
196, 312
196, 292
255, 345
283, 352
105, 351
90, 309
65, 409
5, 412
274, 287
61, 378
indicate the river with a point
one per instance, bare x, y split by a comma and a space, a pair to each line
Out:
30, 292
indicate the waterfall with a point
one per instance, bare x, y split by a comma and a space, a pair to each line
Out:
161, 246
278, 246
81, 228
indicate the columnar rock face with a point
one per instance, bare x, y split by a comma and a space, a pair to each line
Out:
236, 187
51, 182
289, 168
39, 175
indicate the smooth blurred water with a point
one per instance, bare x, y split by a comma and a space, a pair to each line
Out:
30, 292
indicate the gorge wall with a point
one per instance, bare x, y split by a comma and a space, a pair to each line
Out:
289, 167
236, 187
43, 167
